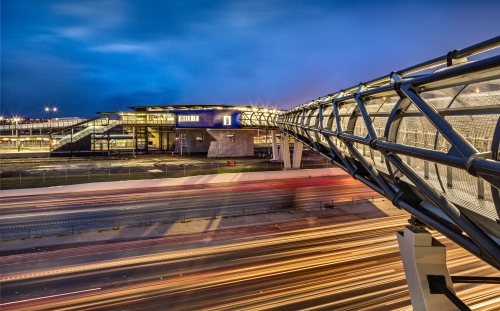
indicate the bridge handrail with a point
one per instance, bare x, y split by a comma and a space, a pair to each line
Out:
428, 142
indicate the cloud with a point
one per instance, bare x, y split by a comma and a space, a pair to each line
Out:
124, 48
80, 32
100, 13
107, 54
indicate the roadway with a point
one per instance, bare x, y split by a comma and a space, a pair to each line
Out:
91, 210
342, 266
350, 266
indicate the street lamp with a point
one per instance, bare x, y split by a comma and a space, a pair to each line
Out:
50, 110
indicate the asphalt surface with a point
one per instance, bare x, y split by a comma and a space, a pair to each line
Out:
44, 215
351, 265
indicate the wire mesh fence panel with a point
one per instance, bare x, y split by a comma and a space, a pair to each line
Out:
58, 177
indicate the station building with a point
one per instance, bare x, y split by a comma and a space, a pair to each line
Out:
218, 130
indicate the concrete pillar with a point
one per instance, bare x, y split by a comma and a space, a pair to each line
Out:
276, 156
285, 147
422, 255
297, 154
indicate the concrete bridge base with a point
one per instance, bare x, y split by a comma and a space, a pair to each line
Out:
422, 255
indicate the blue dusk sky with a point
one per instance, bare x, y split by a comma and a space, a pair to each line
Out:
104, 55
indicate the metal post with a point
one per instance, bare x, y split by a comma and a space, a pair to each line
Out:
129, 173
133, 144
449, 177
20, 178
201, 169
109, 174
166, 171
480, 188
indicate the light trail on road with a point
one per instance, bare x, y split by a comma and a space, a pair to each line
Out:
96, 210
338, 263
350, 266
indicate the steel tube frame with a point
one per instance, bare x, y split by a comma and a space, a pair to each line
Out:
449, 294
407, 89
485, 243
475, 279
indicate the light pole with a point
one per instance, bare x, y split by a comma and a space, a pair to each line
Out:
50, 110
16, 119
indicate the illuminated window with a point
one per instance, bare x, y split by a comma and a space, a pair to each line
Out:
189, 118
227, 120
199, 137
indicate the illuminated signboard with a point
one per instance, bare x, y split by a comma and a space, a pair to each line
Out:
227, 120
189, 118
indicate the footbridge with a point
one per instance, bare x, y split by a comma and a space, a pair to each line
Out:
427, 138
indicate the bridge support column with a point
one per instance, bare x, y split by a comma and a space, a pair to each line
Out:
422, 255
276, 153
297, 154
285, 149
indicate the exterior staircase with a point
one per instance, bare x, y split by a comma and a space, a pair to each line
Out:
97, 126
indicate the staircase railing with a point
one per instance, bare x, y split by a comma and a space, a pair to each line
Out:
97, 126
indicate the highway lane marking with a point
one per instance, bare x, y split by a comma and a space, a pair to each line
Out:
175, 255
52, 296
98, 211
145, 199
270, 187
152, 214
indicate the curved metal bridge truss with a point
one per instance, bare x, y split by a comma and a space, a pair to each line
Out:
426, 139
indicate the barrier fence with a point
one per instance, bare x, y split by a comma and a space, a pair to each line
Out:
58, 177
106, 222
